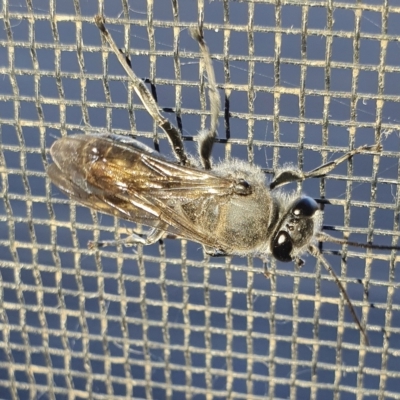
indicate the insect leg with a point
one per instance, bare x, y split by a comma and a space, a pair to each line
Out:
173, 134
153, 236
285, 176
212, 252
206, 138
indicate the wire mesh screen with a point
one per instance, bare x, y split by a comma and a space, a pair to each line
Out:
301, 82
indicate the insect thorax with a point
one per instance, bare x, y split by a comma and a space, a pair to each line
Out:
243, 222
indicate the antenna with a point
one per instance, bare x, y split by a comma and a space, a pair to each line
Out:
313, 250
324, 237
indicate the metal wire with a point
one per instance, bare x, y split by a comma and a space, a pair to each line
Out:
300, 81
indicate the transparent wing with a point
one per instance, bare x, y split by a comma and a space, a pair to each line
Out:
122, 177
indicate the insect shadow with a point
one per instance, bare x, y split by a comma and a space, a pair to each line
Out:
227, 207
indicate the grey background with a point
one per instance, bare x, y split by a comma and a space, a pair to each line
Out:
164, 321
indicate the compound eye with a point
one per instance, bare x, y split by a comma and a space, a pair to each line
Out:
305, 207
282, 247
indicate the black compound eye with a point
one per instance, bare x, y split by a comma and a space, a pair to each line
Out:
305, 207
282, 247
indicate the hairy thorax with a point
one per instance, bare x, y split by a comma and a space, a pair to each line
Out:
242, 223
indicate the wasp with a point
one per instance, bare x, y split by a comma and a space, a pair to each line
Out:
228, 207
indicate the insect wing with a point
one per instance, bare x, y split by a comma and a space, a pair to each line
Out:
100, 201
124, 178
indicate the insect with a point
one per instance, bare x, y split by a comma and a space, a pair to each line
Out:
227, 207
